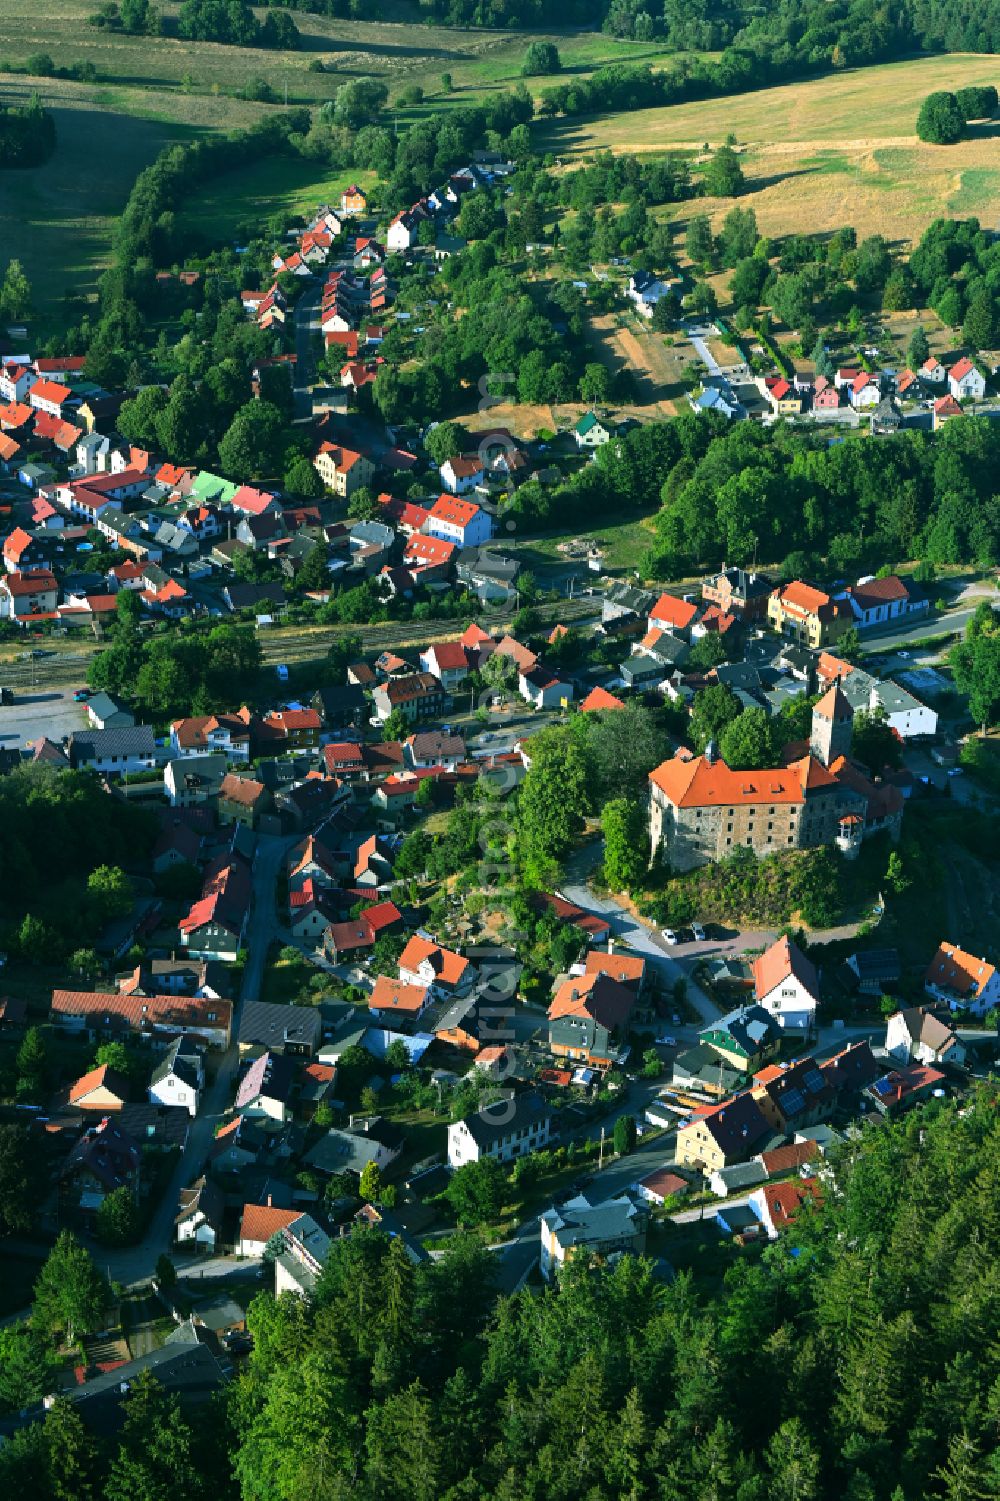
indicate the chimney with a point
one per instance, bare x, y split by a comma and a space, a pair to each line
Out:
269, 1204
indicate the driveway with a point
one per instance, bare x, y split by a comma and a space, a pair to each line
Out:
306, 326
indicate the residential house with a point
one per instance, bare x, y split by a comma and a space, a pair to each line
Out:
99, 1014
544, 689
461, 475
305, 1246
103, 1089
25, 597
353, 201
776, 1205
720, 1135
600, 701
612, 1227
49, 396
343, 470
243, 800
589, 1018
402, 231
510, 1127
433, 748
267, 1087
747, 1038
807, 614
199, 1216
106, 713
259, 1222
902, 1088
961, 981
266, 1027
645, 290
113, 752
791, 1095
965, 381
880, 601
826, 396
448, 661
215, 925
191, 780
429, 560
591, 432
739, 592
492, 576
786, 985
784, 399
424, 962
943, 410
341, 706
864, 391
227, 734
104, 1159
394, 1001
905, 715
178, 1078
875, 970
918, 1035
297, 729
346, 940
661, 1185
459, 521
886, 417
672, 614
933, 371
367, 1139
419, 696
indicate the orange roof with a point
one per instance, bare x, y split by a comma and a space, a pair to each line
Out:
672, 611
19, 540
947, 406
954, 969
449, 968
14, 414
698, 783
8, 446
597, 996
784, 1200
49, 390
600, 698
95, 1079
261, 1221
961, 367
829, 666
776, 964
627, 969
453, 510
834, 704
803, 597
396, 995
474, 635
343, 459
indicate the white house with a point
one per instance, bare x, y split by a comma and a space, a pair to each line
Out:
462, 474
402, 232
178, 1079
916, 1035
590, 431
962, 981
459, 521
448, 661
259, 1222
509, 1128
933, 371
266, 1089
905, 714
786, 985
199, 1218
544, 689
424, 962
965, 382
879, 601
120, 752
645, 291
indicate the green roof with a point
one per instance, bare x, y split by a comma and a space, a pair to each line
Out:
586, 423
207, 486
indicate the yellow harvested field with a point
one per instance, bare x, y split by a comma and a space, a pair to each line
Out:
833, 151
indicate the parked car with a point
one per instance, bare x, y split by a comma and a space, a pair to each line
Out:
669, 936
698, 931
666, 1041
282, 672
81, 695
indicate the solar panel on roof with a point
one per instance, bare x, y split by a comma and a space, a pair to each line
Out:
792, 1102
882, 1086
814, 1080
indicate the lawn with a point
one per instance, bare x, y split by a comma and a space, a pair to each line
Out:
250, 195
623, 545
833, 151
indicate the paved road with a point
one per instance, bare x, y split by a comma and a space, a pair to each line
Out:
306, 326
136, 1264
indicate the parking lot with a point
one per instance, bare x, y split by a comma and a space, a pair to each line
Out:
50, 712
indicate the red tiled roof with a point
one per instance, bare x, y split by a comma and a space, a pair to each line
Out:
954, 969
961, 368
672, 611
697, 783
395, 995
49, 390
600, 698
780, 961
803, 597
261, 1221
136, 1011
453, 510
449, 968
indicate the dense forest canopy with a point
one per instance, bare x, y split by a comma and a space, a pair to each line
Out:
855, 1359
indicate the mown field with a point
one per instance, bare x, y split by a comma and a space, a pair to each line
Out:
833, 151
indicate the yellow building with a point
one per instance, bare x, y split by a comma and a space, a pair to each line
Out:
808, 615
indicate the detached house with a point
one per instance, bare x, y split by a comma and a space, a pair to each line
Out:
962, 981
606, 1228
461, 475
511, 1127
199, 1214
424, 962
965, 382
720, 1135
458, 521
917, 1035
49, 396
419, 696
590, 431
589, 1017
178, 1078
447, 661
28, 596
343, 470
786, 985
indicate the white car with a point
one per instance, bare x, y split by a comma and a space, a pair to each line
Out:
698, 931
666, 1042
669, 936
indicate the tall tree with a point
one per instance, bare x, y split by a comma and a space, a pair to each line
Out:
70, 1293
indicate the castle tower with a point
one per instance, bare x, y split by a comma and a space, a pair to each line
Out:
832, 726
